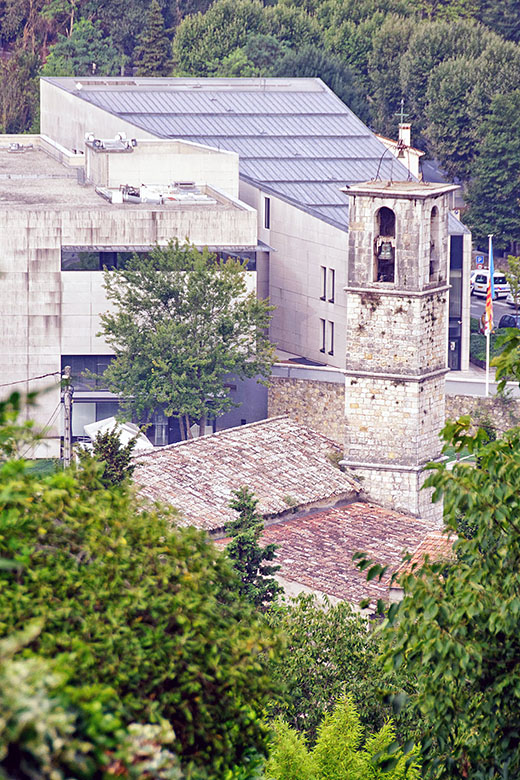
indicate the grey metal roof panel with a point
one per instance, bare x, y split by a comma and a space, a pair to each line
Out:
296, 139
455, 226
314, 193
200, 102
339, 148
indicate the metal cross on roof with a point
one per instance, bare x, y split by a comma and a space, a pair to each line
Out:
401, 113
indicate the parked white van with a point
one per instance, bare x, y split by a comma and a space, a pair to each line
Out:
481, 284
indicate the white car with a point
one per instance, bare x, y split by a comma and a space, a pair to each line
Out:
472, 280
480, 284
511, 300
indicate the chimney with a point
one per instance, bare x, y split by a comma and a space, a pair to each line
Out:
405, 134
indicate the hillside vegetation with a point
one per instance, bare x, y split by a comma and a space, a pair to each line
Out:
456, 63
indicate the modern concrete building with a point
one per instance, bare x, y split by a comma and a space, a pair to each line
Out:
299, 145
63, 216
290, 150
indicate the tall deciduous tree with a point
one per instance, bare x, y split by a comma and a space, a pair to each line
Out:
456, 630
136, 604
153, 52
311, 62
85, 51
330, 650
182, 322
494, 193
249, 558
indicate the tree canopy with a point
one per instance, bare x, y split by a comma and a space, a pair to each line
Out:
134, 604
456, 630
182, 321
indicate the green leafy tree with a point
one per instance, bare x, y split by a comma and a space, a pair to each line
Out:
503, 18
136, 604
247, 555
513, 277
494, 193
50, 730
456, 630
85, 51
330, 649
311, 62
431, 44
18, 91
293, 27
153, 52
339, 753
182, 322
453, 118
389, 42
115, 457
203, 40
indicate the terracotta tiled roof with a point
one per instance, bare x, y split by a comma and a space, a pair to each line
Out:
284, 463
437, 546
316, 550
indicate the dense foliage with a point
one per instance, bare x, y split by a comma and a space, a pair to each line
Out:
115, 457
251, 560
339, 751
330, 650
50, 730
450, 60
137, 605
181, 322
456, 630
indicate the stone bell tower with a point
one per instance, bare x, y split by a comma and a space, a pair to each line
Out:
397, 314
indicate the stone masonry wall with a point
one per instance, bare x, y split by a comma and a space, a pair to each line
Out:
400, 491
319, 405
396, 334
393, 422
503, 413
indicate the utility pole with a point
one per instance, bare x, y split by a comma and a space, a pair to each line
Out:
68, 390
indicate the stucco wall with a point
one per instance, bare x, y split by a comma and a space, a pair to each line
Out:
303, 244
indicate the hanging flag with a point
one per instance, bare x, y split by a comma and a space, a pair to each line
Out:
490, 293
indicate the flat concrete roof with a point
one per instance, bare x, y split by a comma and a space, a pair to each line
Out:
401, 189
32, 179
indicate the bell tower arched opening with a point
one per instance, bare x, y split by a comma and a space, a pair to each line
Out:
384, 246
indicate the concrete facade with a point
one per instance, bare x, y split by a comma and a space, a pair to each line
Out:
47, 312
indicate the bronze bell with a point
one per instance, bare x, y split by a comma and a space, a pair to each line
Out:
385, 251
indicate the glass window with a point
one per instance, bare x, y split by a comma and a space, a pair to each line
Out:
323, 283
83, 365
323, 335
332, 284
331, 337
267, 213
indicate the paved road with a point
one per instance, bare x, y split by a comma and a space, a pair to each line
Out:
500, 307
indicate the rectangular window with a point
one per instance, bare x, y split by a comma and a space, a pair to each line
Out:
323, 335
332, 284
331, 337
323, 283
267, 213
82, 366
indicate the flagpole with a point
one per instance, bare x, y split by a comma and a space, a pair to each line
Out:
488, 338
490, 292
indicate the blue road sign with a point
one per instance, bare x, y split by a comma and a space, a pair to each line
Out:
479, 259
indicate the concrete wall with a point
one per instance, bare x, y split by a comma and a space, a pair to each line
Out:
45, 312
66, 119
164, 162
303, 244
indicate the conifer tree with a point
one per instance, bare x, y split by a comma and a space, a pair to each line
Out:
152, 54
247, 556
